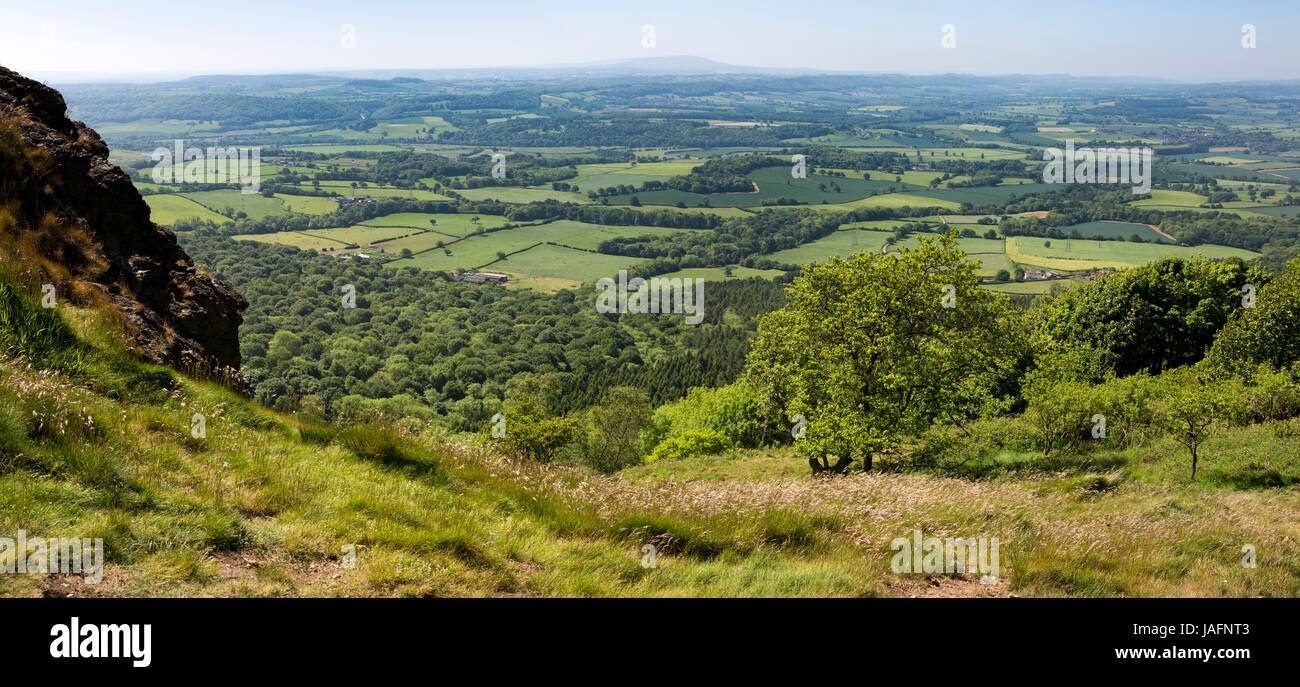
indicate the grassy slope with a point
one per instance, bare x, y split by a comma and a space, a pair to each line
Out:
98, 446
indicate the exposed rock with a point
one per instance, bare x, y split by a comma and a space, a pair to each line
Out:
82, 214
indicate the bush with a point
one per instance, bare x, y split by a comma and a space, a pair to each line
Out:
1272, 395
734, 411
697, 442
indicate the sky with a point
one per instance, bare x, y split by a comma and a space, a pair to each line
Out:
1187, 40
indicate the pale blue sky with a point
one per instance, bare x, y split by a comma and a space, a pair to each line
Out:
1196, 40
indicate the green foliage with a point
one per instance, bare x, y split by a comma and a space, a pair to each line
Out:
1267, 332
1066, 411
420, 344
533, 434
611, 438
695, 442
1153, 317
874, 348
1191, 407
735, 410
35, 332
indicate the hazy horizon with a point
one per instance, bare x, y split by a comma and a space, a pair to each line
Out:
1192, 41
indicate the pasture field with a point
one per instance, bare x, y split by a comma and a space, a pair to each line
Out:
667, 168
372, 191
590, 180
1221, 172
167, 209
516, 194
720, 212
474, 251
911, 178
1116, 230
230, 201
888, 225
1083, 254
422, 241
1279, 210
719, 273
294, 238
558, 262
971, 246
360, 234
588, 236
991, 263
454, 224
344, 148
981, 195
1035, 286
893, 200
1162, 197
310, 205
843, 243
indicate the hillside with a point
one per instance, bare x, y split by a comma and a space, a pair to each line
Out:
94, 444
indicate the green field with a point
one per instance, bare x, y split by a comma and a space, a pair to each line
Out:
293, 238
230, 201
360, 234
1162, 197
339, 149
588, 236
1037, 286
1116, 230
987, 194
454, 224
167, 209
311, 205
720, 212
719, 273
424, 240
515, 194
540, 265
893, 200
477, 250
372, 191
1084, 254
844, 243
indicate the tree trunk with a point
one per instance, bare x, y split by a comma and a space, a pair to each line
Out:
1193, 463
822, 466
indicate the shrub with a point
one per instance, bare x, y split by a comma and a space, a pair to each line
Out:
1272, 395
531, 433
696, 442
735, 411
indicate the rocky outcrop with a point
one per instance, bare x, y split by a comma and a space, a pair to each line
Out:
62, 199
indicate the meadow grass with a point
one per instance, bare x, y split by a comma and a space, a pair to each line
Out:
94, 444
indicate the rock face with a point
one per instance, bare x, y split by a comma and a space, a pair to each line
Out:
61, 198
